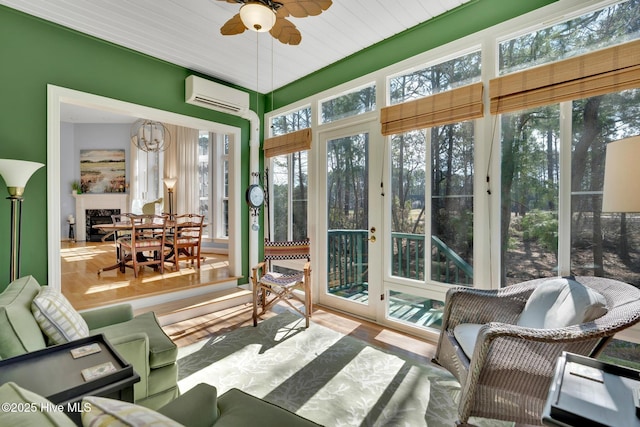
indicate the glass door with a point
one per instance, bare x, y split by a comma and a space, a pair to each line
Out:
352, 220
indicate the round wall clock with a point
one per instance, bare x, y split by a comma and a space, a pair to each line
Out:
255, 196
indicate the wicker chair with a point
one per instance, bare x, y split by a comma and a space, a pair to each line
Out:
511, 368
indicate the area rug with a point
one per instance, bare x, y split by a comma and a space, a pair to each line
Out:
332, 379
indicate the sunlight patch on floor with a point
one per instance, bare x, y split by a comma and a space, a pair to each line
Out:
82, 253
94, 289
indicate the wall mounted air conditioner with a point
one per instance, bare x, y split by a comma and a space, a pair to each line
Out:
208, 94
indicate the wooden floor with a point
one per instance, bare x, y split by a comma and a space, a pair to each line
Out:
84, 288
190, 331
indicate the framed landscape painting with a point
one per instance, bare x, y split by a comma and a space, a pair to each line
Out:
102, 171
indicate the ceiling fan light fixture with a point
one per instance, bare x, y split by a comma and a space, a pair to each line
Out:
257, 17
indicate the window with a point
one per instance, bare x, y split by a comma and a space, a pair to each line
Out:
553, 159
605, 27
601, 244
530, 185
213, 168
358, 101
289, 181
432, 170
441, 77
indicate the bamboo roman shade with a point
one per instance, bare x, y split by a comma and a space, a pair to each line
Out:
609, 70
288, 143
452, 106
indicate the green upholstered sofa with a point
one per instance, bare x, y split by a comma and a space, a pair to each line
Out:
140, 340
198, 407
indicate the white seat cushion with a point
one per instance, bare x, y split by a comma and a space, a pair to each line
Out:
467, 334
282, 280
560, 302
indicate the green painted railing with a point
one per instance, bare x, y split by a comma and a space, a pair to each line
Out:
348, 259
446, 265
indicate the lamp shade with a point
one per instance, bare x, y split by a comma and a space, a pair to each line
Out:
170, 182
257, 17
16, 174
620, 192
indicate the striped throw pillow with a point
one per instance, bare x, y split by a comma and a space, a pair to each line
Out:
100, 411
57, 318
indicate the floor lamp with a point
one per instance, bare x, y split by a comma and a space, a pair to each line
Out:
16, 174
621, 179
170, 183
622, 176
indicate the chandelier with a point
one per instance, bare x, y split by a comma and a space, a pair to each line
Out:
150, 136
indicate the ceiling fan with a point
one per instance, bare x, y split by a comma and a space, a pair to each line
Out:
270, 15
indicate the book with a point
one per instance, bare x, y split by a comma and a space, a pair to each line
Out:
98, 371
85, 350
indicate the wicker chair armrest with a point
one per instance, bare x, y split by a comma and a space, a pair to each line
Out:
522, 360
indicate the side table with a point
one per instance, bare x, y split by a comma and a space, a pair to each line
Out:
586, 392
54, 373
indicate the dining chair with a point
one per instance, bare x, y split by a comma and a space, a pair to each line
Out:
146, 243
185, 239
271, 285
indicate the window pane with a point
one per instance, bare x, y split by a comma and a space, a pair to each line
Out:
350, 104
203, 175
417, 311
452, 203
280, 202
601, 244
299, 195
612, 25
441, 77
408, 186
291, 122
530, 174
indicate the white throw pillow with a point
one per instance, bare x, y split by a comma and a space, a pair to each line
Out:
57, 318
560, 302
100, 411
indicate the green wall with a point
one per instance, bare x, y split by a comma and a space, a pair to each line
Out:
35, 53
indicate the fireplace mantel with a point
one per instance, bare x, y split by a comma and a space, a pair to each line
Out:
97, 201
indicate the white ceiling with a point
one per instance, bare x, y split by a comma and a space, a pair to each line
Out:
187, 33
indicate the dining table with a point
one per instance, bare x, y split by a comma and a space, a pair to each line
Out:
114, 230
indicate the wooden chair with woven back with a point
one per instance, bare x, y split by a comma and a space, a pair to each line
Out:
185, 239
280, 275
145, 245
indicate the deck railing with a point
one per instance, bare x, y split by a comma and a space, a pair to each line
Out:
348, 260
446, 265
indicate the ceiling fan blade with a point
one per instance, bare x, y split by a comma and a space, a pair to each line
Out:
286, 32
303, 8
233, 26
232, 1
